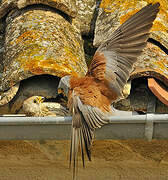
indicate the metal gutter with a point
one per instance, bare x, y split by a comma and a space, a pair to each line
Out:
147, 126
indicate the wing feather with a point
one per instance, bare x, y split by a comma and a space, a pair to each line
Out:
144, 13
81, 146
111, 65
134, 40
85, 120
113, 60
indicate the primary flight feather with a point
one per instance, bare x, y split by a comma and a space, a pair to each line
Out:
90, 97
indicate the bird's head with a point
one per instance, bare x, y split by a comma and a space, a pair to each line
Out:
64, 86
37, 99
31, 106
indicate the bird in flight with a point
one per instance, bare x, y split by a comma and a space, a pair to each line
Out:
90, 97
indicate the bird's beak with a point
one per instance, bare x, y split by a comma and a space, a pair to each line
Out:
41, 99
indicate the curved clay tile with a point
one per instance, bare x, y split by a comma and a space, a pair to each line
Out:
66, 6
40, 41
152, 63
158, 91
113, 13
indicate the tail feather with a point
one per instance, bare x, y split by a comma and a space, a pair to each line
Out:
87, 141
81, 146
81, 137
74, 149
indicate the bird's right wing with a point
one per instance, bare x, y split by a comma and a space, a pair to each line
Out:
113, 60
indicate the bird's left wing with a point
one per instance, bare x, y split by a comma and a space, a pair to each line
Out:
113, 60
85, 119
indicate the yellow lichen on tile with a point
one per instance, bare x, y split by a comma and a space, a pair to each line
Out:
70, 54
40, 41
158, 26
110, 6
32, 61
160, 64
28, 35
48, 66
163, 7
127, 16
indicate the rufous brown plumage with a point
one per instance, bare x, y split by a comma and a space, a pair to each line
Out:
90, 97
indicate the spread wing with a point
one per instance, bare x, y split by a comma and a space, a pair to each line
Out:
85, 119
110, 66
113, 60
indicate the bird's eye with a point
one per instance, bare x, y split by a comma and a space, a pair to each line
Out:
35, 101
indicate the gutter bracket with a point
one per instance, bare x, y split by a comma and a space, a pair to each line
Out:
151, 108
149, 126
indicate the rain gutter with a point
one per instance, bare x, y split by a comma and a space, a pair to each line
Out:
149, 126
